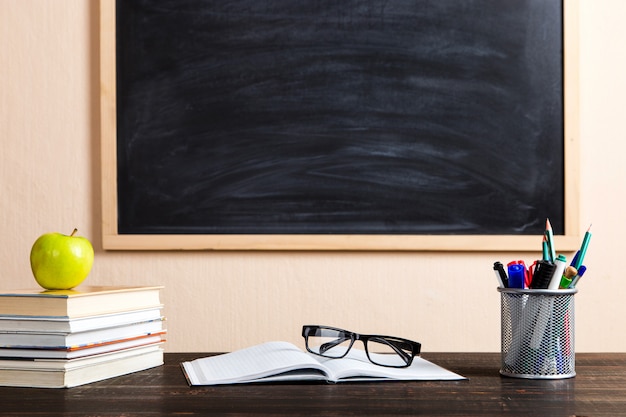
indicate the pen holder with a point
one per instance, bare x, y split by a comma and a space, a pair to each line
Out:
537, 333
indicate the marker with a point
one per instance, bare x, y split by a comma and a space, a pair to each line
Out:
583, 249
568, 276
517, 275
545, 307
527, 277
558, 272
550, 237
503, 280
544, 270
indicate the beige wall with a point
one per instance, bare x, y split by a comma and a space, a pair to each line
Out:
50, 173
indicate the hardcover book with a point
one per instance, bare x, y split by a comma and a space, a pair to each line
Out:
31, 324
59, 373
79, 302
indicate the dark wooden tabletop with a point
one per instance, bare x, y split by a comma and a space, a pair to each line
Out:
599, 389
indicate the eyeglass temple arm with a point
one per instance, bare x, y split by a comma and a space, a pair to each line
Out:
396, 346
329, 345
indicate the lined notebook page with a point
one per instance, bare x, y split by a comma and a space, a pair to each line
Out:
248, 364
356, 366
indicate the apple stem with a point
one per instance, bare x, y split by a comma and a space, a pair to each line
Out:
74, 232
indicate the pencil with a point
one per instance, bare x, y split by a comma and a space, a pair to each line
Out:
583, 248
550, 237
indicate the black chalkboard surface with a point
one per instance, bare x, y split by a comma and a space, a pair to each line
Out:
340, 117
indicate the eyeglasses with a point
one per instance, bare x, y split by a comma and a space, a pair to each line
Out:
389, 351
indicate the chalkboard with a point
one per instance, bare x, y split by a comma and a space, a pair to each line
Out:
347, 118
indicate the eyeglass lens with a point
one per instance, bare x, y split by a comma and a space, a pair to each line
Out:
329, 342
389, 352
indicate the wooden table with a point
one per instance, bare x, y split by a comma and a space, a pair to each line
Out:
599, 389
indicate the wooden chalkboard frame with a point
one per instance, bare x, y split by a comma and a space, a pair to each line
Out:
112, 240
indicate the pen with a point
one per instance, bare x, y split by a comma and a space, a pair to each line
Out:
583, 249
527, 277
503, 280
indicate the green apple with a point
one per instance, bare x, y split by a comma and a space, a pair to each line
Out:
61, 262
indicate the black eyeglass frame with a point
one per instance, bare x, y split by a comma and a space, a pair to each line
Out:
398, 344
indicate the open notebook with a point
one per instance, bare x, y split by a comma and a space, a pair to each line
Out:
282, 361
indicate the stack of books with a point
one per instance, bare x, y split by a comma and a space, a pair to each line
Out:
66, 338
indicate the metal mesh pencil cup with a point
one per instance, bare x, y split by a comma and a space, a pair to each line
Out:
537, 333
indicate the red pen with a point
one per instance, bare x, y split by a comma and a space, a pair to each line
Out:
527, 277
531, 273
